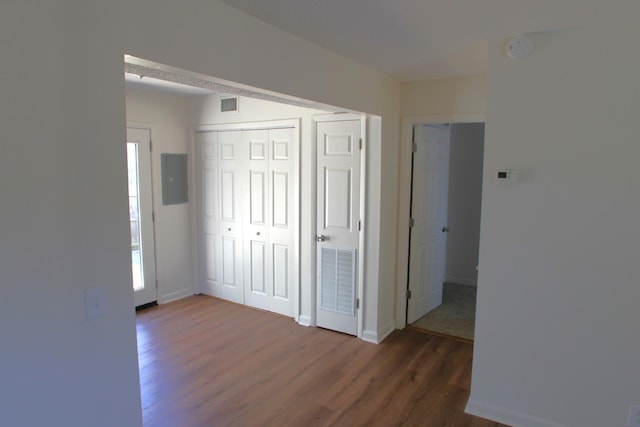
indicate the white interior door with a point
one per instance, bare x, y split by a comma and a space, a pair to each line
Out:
249, 214
269, 226
338, 210
232, 157
141, 216
209, 211
428, 237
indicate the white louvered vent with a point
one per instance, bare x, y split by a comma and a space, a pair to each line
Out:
229, 104
338, 281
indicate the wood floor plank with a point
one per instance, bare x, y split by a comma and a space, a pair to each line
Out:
207, 362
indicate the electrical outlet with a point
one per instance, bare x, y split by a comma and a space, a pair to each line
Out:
634, 415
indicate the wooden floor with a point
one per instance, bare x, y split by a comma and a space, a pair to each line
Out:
207, 362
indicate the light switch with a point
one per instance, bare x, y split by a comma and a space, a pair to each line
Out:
95, 304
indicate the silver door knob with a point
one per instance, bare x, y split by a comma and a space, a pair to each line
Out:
445, 229
321, 238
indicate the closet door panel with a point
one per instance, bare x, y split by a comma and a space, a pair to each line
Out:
256, 203
231, 164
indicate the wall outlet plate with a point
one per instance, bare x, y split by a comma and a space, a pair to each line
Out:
634, 415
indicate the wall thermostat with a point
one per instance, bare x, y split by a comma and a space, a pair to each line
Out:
506, 175
519, 47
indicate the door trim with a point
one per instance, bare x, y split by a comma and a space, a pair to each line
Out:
360, 294
194, 165
404, 199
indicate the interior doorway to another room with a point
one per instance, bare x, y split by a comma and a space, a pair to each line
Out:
446, 191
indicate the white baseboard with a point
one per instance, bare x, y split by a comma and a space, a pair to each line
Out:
461, 280
506, 416
370, 336
173, 296
304, 320
375, 337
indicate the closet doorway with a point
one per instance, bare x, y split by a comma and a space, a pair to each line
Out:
249, 213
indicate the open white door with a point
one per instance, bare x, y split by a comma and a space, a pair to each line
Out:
429, 202
141, 216
338, 210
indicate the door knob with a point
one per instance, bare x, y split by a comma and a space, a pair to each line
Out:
445, 229
321, 238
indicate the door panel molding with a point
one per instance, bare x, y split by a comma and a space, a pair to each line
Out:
264, 211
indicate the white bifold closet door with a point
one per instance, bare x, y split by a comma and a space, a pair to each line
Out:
248, 229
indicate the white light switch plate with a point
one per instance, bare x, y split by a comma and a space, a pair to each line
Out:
95, 305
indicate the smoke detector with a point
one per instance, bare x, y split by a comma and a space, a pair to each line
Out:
519, 47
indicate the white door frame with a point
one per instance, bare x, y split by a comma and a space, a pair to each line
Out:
195, 165
314, 223
404, 199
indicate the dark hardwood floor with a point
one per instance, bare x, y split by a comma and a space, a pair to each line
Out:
207, 362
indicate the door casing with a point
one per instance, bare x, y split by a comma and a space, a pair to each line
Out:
404, 200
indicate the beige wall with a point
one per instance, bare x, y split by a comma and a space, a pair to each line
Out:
444, 97
557, 318
465, 196
168, 118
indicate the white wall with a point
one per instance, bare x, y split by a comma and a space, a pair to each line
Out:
63, 182
206, 111
168, 118
465, 195
557, 311
447, 96
64, 227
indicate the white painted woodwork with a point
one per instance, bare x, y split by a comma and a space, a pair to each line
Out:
258, 251
207, 144
427, 263
231, 189
142, 138
338, 208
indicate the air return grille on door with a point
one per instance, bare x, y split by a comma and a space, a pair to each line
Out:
338, 277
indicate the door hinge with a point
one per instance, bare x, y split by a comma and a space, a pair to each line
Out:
361, 143
357, 303
412, 222
156, 283
150, 145
408, 293
359, 225
414, 147
153, 216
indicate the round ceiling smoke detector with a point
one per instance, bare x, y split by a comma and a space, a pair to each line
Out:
519, 47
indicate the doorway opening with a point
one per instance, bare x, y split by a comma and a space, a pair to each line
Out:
445, 200
258, 190
141, 216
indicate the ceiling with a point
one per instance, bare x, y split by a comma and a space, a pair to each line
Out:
420, 39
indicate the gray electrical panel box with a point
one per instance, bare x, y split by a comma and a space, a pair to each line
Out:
174, 178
